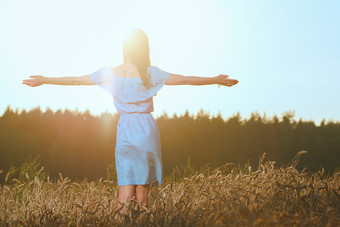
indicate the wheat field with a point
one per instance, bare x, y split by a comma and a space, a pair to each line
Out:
224, 196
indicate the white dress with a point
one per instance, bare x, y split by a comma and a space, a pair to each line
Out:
138, 146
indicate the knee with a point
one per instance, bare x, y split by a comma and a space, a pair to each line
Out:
142, 192
127, 192
142, 189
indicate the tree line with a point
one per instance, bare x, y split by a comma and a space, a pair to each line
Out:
80, 145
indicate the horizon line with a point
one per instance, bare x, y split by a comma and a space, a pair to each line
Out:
290, 113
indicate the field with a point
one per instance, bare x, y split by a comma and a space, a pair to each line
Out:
225, 196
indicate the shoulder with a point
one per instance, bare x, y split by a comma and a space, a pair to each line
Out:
158, 76
151, 68
154, 69
115, 69
157, 70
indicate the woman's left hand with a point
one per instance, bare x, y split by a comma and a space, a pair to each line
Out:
225, 80
36, 80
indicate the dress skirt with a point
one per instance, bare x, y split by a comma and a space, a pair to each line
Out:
138, 150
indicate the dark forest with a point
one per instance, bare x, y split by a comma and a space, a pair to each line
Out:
80, 145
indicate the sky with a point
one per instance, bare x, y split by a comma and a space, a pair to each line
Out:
285, 54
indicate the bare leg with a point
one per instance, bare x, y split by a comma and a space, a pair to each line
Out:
142, 192
126, 192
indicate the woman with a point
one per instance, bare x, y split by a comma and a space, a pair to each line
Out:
132, 86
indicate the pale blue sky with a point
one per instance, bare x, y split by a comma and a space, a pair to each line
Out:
285, 54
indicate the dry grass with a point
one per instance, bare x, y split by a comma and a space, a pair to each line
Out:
227, 196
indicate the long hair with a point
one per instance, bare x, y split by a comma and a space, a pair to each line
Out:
136, 48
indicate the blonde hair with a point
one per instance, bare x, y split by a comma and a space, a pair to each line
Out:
136, 49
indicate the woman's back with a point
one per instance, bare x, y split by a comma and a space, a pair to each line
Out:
126, 70
126, 86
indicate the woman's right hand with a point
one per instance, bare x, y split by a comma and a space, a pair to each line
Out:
36, 80
225, 80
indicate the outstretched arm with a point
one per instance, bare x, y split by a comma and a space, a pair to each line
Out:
37, 80
176, 79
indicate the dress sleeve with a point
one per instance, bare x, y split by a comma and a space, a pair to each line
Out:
158, 79
103, 79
